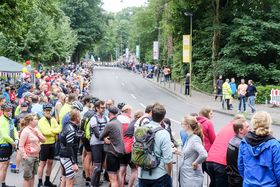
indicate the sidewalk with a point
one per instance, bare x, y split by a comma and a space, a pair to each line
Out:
14, 179
200, 99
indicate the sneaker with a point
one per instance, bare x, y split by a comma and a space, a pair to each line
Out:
49, 184
87, 184
40, 185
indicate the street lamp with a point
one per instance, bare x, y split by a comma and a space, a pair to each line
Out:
190, 70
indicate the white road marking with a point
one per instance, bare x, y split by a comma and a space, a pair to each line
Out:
175, 121
133, 96
122, 84
142, 105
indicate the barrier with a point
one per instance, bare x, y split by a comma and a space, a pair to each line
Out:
275, 97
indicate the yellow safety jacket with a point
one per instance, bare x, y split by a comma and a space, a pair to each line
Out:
7, 125
49, 130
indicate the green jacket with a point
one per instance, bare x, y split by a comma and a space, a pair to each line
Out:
5, 128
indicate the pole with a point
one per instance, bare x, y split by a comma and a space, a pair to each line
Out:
191, 56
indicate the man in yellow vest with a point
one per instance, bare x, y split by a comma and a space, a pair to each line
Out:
226, 93
8, 141
50, 129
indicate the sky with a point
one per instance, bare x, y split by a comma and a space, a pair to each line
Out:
118, 5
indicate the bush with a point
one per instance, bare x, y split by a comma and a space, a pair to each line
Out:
264, 93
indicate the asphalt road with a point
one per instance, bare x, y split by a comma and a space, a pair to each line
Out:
124, 86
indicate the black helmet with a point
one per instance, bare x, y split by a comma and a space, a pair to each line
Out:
121, 105
78, 105
7, 106
47, 106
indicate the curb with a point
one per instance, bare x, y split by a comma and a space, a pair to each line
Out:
275, 122
55, 171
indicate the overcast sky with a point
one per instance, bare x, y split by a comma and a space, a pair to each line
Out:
118, 5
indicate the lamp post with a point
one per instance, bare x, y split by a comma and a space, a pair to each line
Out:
190, 70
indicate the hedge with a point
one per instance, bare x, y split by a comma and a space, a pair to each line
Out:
264, 93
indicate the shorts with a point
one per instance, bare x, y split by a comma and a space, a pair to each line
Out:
67, 167
47, 152
5, 152
126, 160
98, 154
86, 144
112, 163
30, 167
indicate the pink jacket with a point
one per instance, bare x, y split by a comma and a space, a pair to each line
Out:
218, 150
29, 143
208, 132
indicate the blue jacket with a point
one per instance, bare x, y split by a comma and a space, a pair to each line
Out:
259, 161
233, 87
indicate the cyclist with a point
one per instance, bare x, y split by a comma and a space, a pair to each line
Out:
50, 129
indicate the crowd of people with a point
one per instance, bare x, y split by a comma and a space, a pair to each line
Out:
227, 91
57, 117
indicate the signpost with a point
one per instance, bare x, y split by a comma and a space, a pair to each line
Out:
155, 50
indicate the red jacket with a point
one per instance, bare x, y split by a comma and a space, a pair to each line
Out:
208, 132
128, 142
218, 150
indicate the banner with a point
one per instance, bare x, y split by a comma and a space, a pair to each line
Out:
155, 50
126, 53
187, 48
138, 51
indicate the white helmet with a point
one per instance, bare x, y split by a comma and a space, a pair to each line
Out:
78, 105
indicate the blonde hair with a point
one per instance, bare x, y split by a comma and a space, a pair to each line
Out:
261, 122
194, 125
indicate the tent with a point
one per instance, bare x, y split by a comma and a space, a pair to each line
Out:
9, 66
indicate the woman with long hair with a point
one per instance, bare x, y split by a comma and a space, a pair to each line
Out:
258, 158
194, 154
29, 146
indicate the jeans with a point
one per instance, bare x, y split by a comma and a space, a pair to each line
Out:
218, 175
164, 181
251, 103
242, 99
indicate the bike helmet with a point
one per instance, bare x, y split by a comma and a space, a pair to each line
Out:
121, 105
47, 106
78, 105
7, 106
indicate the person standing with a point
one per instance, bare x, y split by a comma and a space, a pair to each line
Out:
240, 128
226, 94
216, 160
8, 141
50, 129
233, 91
97, 125
113, 146
68, 139
242, 90
187, 84
29, 146
252, 93
219, 85
161, 175
194, 154
258, 158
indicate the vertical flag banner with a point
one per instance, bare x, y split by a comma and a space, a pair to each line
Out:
127, 53
137, 51
186, 48
155, 50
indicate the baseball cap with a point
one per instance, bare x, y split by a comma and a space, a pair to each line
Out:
24, 104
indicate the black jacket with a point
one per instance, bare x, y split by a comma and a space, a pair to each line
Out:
234, 179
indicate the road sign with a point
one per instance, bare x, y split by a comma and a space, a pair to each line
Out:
138, 51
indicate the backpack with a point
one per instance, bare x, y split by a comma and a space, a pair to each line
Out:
143, 148
85, 125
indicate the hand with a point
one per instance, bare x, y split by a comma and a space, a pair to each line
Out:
107, 140
176, 151
194, 165
75, 168
24, 157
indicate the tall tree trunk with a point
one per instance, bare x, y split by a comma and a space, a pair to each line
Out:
216, 38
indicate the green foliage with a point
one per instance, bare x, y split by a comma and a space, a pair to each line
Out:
264, 93
35, 30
